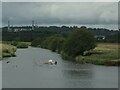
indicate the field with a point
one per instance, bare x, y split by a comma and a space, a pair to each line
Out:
107, 46
103, 54
7, 50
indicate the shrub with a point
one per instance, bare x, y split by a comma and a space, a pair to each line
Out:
22, 45
54, 43
37, 42
78, 42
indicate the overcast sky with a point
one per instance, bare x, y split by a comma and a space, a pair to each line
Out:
60, 13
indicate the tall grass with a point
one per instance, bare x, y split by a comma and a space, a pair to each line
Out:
7, 50
103, 54
107, 46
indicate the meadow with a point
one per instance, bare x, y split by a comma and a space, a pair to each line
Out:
103, 54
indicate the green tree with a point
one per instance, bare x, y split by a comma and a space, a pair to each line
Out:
54, 42
79, 41
37, 42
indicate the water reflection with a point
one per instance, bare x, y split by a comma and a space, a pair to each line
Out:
77, 74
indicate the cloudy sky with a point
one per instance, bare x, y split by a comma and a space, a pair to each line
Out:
60, 13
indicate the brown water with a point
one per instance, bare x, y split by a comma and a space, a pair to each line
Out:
28, 71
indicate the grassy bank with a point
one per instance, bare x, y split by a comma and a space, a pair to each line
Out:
20, 44
7, 50
103, 54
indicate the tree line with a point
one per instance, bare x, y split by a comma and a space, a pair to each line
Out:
29, 35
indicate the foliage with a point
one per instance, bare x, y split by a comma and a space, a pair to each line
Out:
54, 43
78, 42
25, 33
20, 44
106, 54
37, 42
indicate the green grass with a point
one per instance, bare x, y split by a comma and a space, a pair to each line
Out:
20, 44
103, 54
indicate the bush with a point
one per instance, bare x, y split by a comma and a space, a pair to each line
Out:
78, 42
54, 43
66, 57
37, 42
14, 43
22, 45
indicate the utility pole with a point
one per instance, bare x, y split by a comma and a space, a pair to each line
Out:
8, 25
33, 24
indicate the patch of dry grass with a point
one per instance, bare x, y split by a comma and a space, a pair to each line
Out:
7, 50
106, 54
107, 46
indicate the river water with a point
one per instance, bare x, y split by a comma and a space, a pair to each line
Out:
28, 71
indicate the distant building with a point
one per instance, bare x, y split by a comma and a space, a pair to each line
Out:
21, 28
99, 37
16, 30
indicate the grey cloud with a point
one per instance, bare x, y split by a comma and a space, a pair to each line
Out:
60, 13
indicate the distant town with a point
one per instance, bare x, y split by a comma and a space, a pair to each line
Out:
100, 34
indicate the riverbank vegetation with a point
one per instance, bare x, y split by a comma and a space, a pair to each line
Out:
78, 44
7, 50
80, 47
20, 44
103, 54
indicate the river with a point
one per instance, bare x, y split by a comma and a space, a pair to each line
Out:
28, 71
